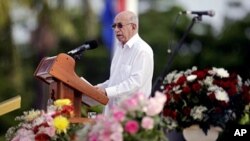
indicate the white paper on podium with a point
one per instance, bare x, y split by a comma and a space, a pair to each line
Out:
87, 100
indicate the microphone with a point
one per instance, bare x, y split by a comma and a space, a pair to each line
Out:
88, 45
210, 13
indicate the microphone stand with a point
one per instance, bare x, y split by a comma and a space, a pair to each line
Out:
156, 85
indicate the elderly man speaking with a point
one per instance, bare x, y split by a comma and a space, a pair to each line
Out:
132, 64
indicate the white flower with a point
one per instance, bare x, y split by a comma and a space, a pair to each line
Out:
170, 76
208, 81
239, 80
194, 68
197, 112
221, 72
247, 83
171, 123
191, 78
177, 76
221, 95
189, 71
38, 121
31, 115
213, 88
177, 89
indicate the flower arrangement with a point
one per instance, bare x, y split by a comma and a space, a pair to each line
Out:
41, 125
136, 118
204, 97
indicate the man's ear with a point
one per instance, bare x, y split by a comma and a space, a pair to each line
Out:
134, 26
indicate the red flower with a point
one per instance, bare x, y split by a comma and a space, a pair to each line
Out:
181, 80
176, 97
168, 87
36, 128
232, 90
186, 111
186, 90
196, 87
211, 96
200, 74
218, 110
42, 137
223, 104
68, 110
170, 113
57, 113
168, 96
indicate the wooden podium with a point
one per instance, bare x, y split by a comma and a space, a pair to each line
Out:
59, 73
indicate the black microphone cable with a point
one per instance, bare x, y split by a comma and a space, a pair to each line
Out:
159, 79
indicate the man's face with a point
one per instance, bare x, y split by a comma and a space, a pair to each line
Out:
123, 28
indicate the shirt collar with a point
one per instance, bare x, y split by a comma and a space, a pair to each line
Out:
132, 40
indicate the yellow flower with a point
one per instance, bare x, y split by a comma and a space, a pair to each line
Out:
62, 102
61, 124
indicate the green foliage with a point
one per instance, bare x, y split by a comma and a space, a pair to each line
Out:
158, 32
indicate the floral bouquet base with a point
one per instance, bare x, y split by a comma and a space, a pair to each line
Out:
205, 97
51, 125
195, 133
134, 119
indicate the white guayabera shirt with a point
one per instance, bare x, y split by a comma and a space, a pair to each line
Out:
131, 71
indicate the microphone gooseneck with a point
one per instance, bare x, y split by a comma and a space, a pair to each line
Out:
88, 45
77, 52
210, 13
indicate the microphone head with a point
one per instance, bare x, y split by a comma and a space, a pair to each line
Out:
92, 44
211, 13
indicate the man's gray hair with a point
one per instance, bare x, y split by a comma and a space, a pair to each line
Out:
134, 19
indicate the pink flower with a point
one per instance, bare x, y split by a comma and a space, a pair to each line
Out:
105, 135
116, 127
147, 123
139, 97
130, 104
160, 97
134, 102
24, 135
155, 104
131, 127
119, 114
50, 131
93, 137
117, 136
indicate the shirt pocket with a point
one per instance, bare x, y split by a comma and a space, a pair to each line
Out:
125, 71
